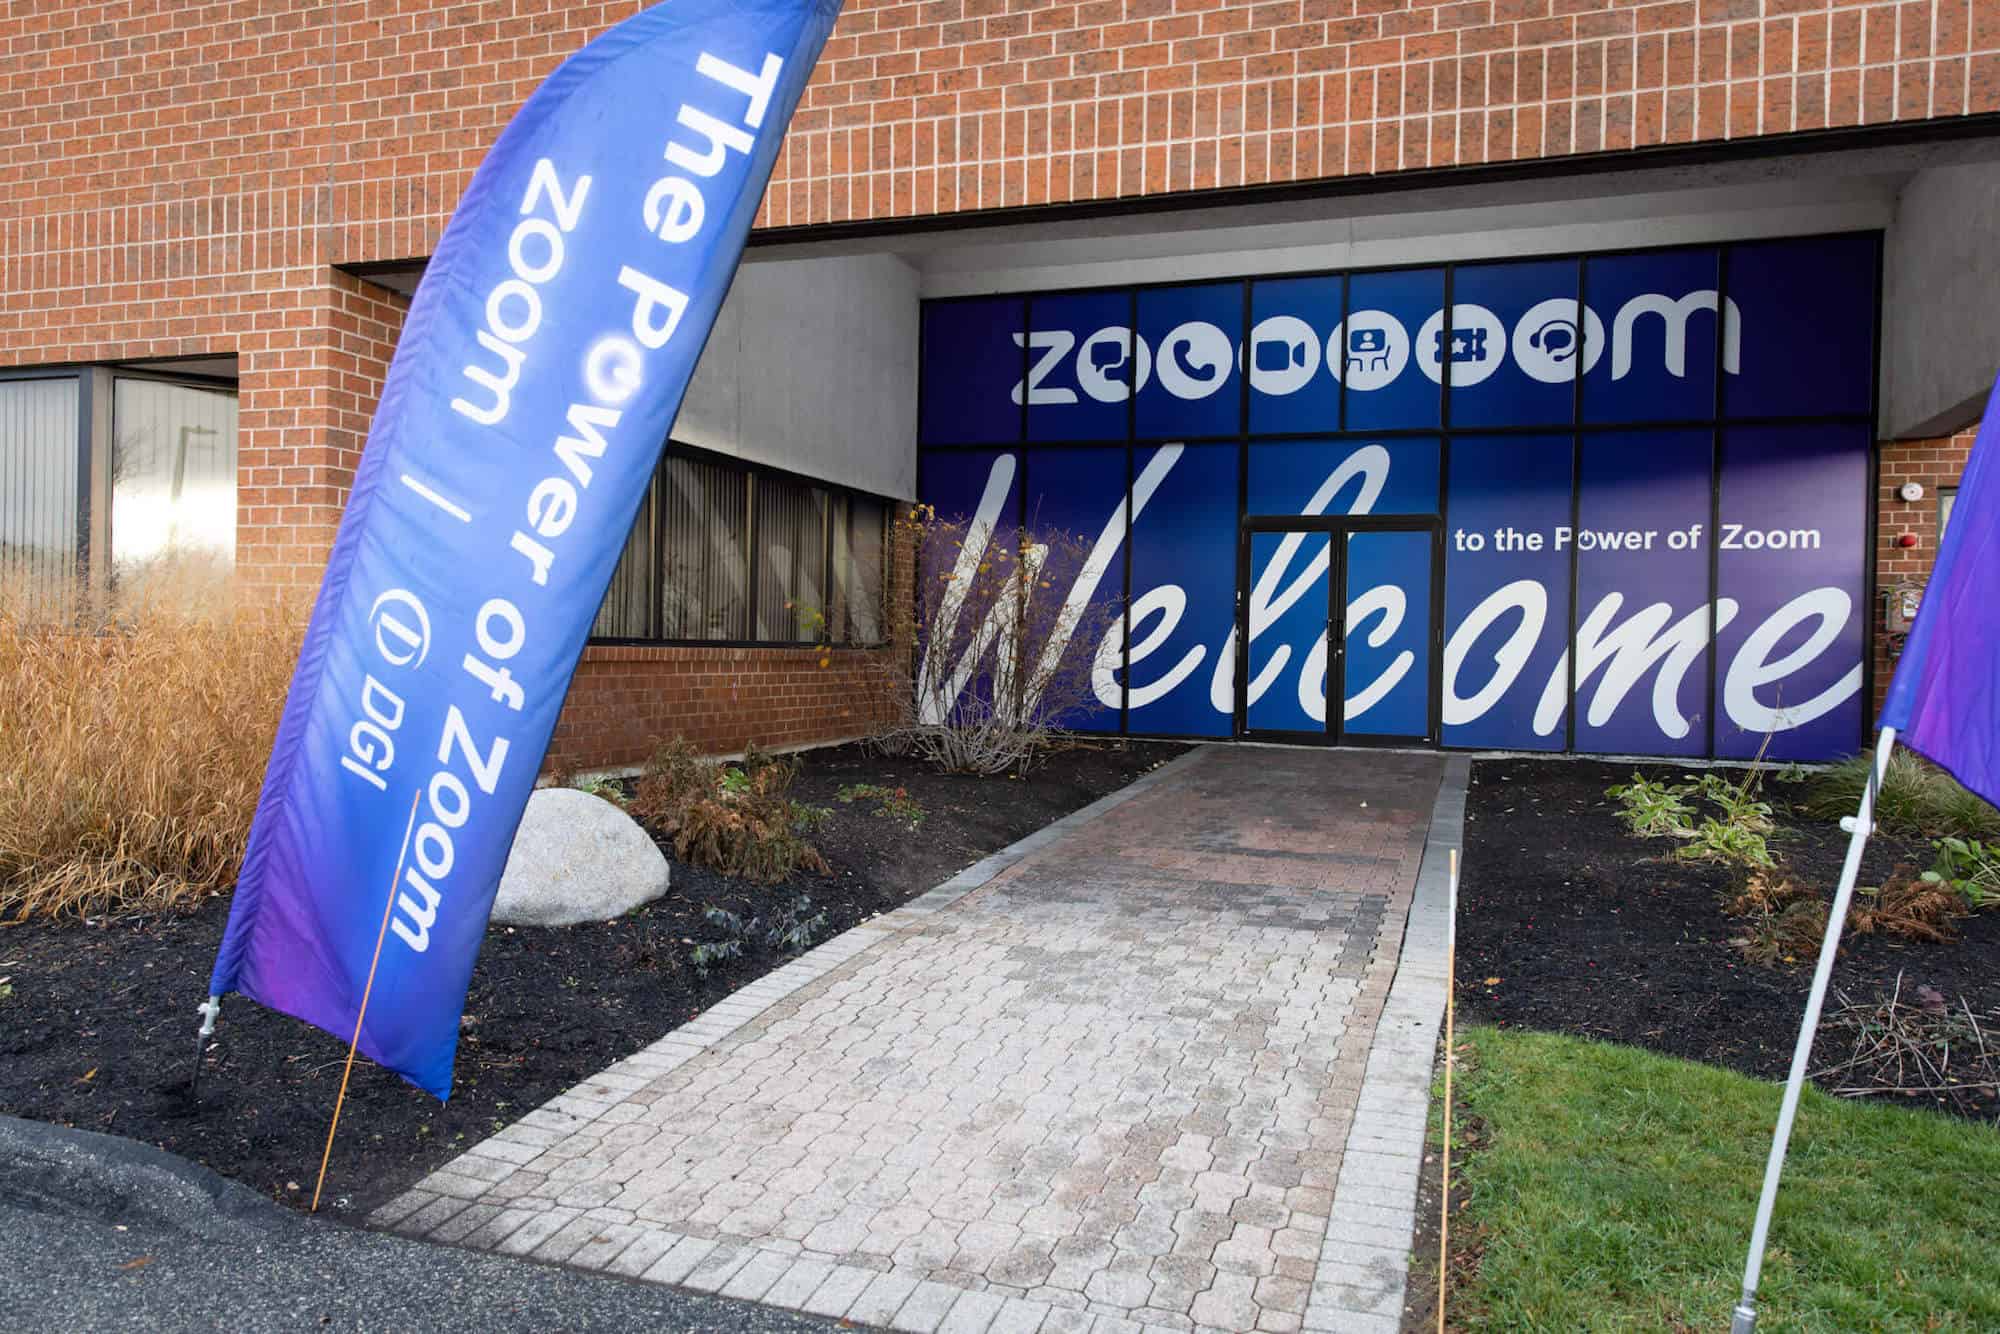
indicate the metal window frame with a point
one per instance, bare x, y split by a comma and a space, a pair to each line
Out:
104, 390
96, 445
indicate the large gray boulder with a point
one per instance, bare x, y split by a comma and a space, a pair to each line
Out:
577, 858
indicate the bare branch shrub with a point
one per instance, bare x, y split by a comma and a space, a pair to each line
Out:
134, 731
1920, 1048
1011, 634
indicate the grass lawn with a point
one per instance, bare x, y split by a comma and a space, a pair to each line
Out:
1615, 1190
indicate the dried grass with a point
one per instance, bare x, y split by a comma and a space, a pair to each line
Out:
734, 818
1788, 933
1910, 908
1785, 921
135, 732
1768, 892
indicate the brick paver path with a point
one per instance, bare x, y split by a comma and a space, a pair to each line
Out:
1111, 1084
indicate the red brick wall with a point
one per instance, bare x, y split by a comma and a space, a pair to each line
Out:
976, 104
626, 702
1936, 464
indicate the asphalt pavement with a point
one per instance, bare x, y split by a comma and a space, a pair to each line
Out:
102, 1233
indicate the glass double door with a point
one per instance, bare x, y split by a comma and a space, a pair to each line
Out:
1336, 629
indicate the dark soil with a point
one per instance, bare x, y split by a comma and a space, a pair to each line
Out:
1571, 924
98, 1032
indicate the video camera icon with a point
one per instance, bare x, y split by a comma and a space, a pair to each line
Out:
1272, 355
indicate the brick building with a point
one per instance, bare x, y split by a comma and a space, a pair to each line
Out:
1173, 272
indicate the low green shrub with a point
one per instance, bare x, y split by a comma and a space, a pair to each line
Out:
1968, 866
1658, 809
1654, 809
733, 818
1917, 799
1739, 802
891, 803
1727, 841
790, 928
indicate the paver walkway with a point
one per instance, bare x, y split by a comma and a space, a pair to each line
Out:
1113, 1082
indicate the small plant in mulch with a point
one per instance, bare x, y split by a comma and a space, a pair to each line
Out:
892, 803
1654, 809
1734, 834
1728, 842
1785, 921
604, 789
1919, 1048
733, 818
1739, 803
1968, 868
790, 929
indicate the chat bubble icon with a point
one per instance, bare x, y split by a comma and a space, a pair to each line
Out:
1106, 355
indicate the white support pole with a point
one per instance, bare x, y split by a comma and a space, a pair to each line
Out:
209, 1010
1744, 1318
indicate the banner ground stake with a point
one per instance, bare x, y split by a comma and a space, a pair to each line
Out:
209, 1010
369, 986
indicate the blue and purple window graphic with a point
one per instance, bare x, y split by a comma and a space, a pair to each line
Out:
1612, 503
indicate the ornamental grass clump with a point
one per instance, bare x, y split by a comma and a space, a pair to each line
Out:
133, 735
1916, 799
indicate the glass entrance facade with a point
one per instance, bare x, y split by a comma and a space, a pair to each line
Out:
1633, 492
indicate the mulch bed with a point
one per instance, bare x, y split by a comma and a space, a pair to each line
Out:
98, 1032
1569, 923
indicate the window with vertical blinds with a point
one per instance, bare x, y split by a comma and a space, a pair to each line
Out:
704, 535
791, 563
860, 539
38, 479
726, 553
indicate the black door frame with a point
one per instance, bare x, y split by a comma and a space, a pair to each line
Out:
1337, 527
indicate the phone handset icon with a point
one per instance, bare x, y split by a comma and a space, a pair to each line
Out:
1199, 373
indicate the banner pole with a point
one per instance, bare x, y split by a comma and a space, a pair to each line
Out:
368, 987
1862, 824
1450, 997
